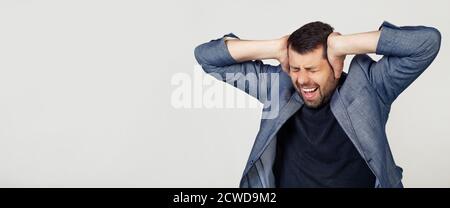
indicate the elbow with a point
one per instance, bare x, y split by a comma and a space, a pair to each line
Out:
437, 39
201, 55
427, 43
433, 40
198, 54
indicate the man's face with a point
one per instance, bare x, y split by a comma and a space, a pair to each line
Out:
312, 76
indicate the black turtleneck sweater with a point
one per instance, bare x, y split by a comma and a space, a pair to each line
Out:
314, 151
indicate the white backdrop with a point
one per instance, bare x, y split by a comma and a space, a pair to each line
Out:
85, 90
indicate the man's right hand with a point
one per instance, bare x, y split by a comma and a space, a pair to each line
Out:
283, 53
335, 59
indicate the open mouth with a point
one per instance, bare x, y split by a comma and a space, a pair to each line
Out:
309, 93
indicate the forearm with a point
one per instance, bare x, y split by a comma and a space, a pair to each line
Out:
360, 43
246, 50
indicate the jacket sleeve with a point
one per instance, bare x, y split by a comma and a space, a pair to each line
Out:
407, 52
253, 77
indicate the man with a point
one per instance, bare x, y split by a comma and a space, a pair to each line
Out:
330, 128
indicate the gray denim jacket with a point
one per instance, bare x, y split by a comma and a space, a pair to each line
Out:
361, 103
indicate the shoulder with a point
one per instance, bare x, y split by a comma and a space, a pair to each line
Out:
362, 61
358, 74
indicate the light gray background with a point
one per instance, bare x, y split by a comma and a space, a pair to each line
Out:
85, 91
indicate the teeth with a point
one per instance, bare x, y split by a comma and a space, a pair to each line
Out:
309, 89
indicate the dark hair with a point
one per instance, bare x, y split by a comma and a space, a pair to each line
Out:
310, 37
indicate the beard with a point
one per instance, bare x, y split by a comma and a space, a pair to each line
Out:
322, 98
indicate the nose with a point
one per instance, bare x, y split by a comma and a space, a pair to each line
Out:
303, 78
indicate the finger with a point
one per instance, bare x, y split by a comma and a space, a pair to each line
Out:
338, 71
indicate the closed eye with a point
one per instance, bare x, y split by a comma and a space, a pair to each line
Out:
312, 69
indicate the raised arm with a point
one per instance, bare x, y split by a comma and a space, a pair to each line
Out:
235, 61
407, 52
